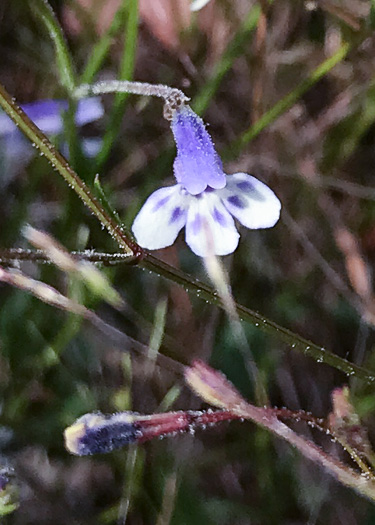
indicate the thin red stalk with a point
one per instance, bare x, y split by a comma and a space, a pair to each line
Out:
161, 425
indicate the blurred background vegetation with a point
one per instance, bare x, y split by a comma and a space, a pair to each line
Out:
236, 59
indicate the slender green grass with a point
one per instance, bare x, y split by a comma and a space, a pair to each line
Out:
125, 72
204, 96
101, 48
64, 61
289, 100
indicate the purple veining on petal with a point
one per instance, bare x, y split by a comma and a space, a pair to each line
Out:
245, 186
236, 201
196, 225
161, 203
219, 217
176, 214
197, 164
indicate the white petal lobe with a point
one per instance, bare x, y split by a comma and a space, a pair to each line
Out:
250, 201
196, 5
161, 218
210, 229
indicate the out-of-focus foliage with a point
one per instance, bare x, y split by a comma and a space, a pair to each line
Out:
319, 158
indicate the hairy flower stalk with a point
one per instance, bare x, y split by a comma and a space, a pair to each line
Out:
205, 200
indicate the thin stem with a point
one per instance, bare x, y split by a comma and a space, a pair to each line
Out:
125, 73
101, 49
63, 58
135, 88
234, 49
124, 428
289, 100
9, 256
61, 165
346, 475
159, 425
296, 342
209, 294
321, 424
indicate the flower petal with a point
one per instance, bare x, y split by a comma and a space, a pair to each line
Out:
91, 146
250, 201
88, 110
197, 164
210, 229
7, 125
47, 114
161, 218
15, 153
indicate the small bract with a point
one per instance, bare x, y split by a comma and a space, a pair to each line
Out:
206, 200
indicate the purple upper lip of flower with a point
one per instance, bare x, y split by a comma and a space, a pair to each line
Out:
197, 164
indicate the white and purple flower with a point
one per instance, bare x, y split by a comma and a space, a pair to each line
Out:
16, 150
205, 200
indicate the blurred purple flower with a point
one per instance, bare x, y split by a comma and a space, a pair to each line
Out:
16, 150
4, 480
205, 200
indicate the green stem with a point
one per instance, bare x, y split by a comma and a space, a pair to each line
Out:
205, 95
63, 58
101, 49
125, 73
61, 165
9, 256
296, 342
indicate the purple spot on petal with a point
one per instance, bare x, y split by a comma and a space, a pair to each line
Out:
235, 200
219, 217
176, 214
245, 186
196, 225
161, 203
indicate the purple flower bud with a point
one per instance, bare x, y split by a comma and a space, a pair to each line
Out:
197, 164
97, 433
